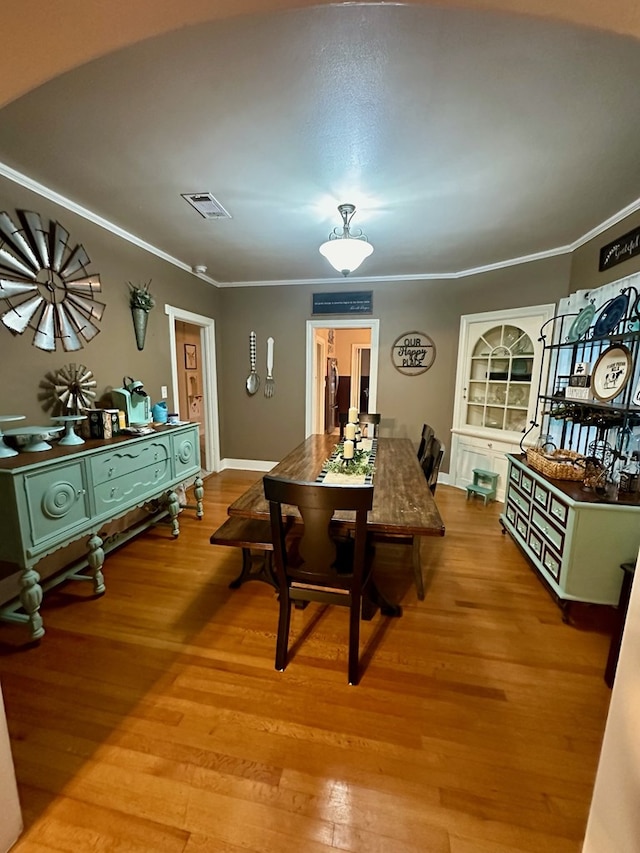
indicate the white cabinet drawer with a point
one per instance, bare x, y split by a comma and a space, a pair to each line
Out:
526, 483
519, 501
558, 510
552, 563
548, 531
540, 495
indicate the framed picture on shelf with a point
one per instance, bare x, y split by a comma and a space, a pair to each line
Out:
190, 357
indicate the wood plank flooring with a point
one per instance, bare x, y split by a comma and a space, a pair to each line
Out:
152, 719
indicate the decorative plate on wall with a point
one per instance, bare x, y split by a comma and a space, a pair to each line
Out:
581, 324
611, 373
46, 285
610, 315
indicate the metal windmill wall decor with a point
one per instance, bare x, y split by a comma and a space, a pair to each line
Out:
45, 284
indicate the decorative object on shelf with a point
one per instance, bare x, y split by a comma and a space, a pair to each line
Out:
582, 323
5, 450
134, 401
413, 353
611, 373
610, 315
141, 302
346, 249
34, 439
595, 475
68, 391
269, 383
68, 422
159, 412
253, 380
49, 287
557, 464
190, 357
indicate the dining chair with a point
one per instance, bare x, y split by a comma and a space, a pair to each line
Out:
431, 463
425, 440
317, 565
343, 420
372, 419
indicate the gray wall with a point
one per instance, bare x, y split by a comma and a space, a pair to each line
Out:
112, 354
260, 428
257, 427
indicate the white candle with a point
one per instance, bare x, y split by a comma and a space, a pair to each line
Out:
347, 450
353, 415
350, 431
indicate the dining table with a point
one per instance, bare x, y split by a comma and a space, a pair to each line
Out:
403, 506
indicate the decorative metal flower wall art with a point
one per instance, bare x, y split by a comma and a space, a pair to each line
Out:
46, 285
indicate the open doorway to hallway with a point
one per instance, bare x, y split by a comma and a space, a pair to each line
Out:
195, 387
342, 370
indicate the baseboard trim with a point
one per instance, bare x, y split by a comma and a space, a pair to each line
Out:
246, 465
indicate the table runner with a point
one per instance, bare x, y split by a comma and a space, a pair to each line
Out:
334, 478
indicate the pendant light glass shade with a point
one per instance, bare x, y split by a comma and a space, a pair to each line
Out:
346, 251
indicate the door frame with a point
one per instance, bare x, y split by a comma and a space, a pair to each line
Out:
310, 420
319, 363
356, 372
209, 376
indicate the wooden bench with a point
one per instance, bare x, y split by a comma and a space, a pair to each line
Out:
250, 534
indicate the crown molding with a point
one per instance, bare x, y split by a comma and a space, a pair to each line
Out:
40, 189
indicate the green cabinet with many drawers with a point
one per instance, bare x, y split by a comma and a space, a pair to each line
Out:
575, 542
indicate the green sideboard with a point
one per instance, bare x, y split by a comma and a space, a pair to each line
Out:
53, 498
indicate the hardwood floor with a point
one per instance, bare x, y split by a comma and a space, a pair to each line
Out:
152, 718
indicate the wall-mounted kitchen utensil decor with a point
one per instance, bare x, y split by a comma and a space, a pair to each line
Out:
46, 285
269, 385
413, 353
68, 391
253, 380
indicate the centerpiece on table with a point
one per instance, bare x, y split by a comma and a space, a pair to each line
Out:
359, 464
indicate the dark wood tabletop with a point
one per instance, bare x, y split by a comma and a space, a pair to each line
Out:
402, 501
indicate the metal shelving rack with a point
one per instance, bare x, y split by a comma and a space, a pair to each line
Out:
601, 431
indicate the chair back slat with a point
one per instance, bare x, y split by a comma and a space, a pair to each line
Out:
425, 440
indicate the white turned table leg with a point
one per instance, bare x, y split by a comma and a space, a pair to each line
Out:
198, 491
173, 505
95, 558
31, 599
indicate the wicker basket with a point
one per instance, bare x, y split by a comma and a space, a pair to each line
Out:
571, 465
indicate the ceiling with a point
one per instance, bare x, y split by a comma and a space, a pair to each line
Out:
465, 139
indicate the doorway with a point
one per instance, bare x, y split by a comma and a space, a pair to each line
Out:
194, 378
353, 344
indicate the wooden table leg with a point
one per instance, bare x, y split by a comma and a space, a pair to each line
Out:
417, 566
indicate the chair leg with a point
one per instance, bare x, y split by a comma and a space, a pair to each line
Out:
354, 640
417, 567
282, 642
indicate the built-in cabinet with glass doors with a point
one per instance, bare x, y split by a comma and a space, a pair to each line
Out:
499, 363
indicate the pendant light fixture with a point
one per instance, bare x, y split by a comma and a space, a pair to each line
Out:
346, 250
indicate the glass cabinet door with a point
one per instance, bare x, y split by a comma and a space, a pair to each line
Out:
499, 379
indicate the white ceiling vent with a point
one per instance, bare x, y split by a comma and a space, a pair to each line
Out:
206, 205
